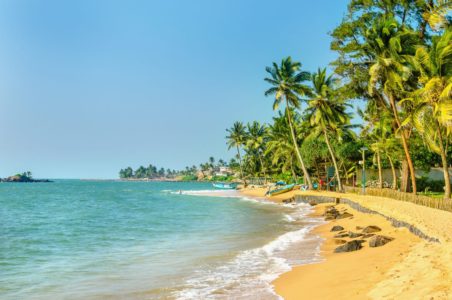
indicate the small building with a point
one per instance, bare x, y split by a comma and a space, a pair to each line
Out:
223, 171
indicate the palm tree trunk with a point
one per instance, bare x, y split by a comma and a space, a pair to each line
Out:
241, 168
444, 163
380, 173
294, 140
394, 176
293, 171
405, 177
404, 144
263, 167
339, 184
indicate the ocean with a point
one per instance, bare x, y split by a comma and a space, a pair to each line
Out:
75, 239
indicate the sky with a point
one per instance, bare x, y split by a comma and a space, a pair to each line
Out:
89, 87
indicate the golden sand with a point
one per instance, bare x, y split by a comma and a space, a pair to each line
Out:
406, 268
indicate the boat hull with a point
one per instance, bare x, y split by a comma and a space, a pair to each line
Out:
282, 190
224, 186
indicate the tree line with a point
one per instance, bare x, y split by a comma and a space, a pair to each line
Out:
204, 170
394, 56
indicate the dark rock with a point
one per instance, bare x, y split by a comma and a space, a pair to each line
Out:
340, 242
379, 240
341, 235
358, 228
312, 203
331, 213
354, 234
290, 200
371, 229
368, 235
337, 228
349, 246
344, 215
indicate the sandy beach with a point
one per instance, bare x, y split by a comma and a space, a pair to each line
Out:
408, 267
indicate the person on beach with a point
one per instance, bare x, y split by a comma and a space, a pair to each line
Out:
321, 184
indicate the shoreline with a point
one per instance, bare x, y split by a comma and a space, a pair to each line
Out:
395, 270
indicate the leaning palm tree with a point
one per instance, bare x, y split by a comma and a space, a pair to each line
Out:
327, 113
433, 98
256, 139
287, 86
391, 43
237, 138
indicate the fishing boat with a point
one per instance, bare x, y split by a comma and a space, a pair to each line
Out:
281, 190
224, 185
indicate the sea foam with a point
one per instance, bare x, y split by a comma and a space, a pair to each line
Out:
249, 274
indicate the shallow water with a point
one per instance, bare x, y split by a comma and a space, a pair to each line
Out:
77, 239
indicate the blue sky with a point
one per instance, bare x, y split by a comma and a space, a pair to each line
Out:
88, 87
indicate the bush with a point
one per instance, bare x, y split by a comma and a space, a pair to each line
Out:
189, 178
425, 184
287, 177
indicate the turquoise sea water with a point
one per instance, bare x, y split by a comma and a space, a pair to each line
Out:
75, 239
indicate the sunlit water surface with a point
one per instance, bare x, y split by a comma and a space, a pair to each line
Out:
77, 239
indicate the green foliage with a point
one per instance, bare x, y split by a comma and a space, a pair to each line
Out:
189, 178
221, 178
426, 185
285, 176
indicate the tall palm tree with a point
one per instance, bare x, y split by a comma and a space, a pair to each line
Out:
430, 101
379, 137
390, 44
378, 129
287, 86
256, 139
237, 138
327, 113
280, 146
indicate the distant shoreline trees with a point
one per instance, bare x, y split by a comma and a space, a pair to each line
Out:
210, 170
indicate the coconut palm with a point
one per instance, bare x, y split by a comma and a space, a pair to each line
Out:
256, 139
287, 86
327, 113
237, 138
436, 15
432, 100
280, 146
378, 138
390, 44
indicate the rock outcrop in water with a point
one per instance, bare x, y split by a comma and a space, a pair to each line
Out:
24, 177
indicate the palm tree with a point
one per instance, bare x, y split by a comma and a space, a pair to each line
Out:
379, 131
236, 138
287, 86
430, 101
280, 146
326, 112
256, 139
390, 43
436, 15
221, 162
